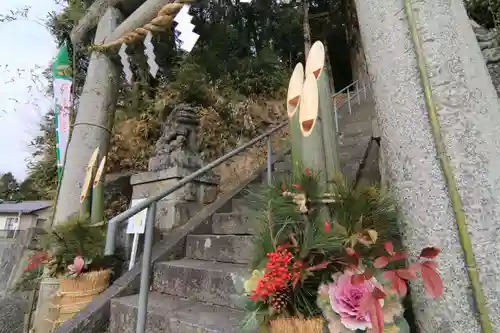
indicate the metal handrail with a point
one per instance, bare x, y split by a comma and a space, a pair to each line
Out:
151, 202
348, 99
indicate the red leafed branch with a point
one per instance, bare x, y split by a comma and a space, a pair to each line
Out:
432, 281
383, 261
398, 278
430, 252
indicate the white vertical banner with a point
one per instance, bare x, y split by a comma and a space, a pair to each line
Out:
62, 99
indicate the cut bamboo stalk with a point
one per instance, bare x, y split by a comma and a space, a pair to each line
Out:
85, 197
316, 66
313, 154
292, 108
97, 212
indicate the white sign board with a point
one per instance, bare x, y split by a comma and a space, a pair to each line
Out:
137, 223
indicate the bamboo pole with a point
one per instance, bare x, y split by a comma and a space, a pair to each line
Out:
316, 66
449, 177
86, 196
292, 109
97, 212
313, 154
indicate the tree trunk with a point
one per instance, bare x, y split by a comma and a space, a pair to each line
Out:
467, 107
93, 123
307, 29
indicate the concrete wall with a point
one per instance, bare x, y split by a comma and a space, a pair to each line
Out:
13, 252
14, 255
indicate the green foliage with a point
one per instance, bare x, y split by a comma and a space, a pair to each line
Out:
42, 169
11, 190
364, 209
484, 12
9, 187
62, 244
76, 237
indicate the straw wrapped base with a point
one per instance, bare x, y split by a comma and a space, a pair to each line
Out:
296, 325
75, 294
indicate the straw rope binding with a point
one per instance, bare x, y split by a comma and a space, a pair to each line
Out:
163, 20
296, 325
75, 294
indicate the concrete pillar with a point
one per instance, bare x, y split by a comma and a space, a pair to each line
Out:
469, 112
94, 120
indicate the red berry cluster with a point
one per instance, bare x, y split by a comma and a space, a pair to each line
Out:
276, 276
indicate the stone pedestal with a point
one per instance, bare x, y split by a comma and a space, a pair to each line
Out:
468, 110
48, 289
176, 208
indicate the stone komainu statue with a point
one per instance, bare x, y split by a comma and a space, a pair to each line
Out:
177, 145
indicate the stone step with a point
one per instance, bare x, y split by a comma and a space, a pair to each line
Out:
203, 281
347, 142
250, 190
233, 224
243, 205
356, 128
173, 314
223, 248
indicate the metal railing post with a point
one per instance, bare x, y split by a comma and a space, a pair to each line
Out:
357, 92
364, 88
109, 248
336, 113
142, 310
269, 159
349, 100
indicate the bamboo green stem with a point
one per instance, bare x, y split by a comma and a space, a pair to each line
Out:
97, 210
451, 183
296, 141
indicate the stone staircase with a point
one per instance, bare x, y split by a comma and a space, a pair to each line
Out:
196, 294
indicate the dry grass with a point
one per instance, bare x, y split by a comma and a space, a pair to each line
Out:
340, 98
243, 165
224, 126
249, 119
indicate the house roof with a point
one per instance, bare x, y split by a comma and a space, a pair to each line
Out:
23, 206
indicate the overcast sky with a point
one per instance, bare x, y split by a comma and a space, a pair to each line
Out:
25, 45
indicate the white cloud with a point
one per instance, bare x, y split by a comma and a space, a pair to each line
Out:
26, 45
